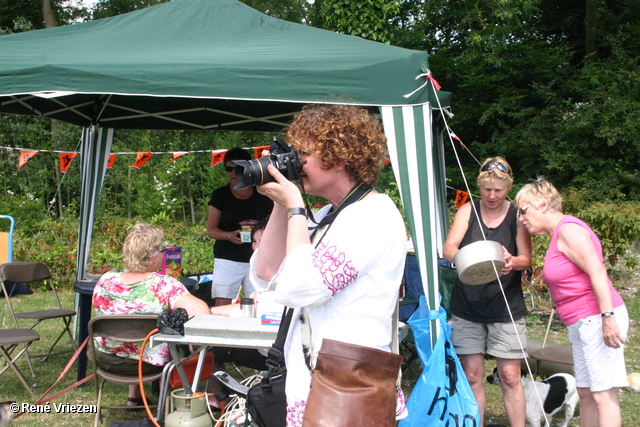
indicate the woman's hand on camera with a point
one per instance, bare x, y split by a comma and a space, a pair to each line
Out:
282, 191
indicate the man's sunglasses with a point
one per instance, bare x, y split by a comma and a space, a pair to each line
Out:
501, 167
229, 168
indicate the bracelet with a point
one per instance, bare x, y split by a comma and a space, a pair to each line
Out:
607, 314
229, 236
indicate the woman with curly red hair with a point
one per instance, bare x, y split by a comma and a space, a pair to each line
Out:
343, 277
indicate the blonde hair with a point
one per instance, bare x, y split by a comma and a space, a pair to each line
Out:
495, 173
142, 243
341, 134
540, 193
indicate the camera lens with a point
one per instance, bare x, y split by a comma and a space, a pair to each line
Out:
253, 172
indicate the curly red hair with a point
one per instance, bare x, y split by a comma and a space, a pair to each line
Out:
341, 134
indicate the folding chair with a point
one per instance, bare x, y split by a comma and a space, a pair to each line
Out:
126, 328
9, 340
31, 272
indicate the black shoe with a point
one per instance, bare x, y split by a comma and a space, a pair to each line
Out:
137, 401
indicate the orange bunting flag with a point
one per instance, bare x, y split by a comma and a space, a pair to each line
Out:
217, 157
111, 161
65, 161
177, 155
257, 151
25, 156
141, 159
386, 161
461, 198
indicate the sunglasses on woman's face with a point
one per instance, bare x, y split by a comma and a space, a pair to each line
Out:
164, 249
492, 165
229, 168
523, 210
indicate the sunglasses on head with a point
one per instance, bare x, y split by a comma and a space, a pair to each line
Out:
493, 164
229, 168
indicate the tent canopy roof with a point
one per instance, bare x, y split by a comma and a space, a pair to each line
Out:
199, 64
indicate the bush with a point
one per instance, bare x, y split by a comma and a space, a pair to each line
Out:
109, 235
55, 241
616, 224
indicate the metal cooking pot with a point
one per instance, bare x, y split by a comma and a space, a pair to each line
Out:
475, 262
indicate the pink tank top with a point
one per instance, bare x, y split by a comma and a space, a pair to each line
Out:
569, 286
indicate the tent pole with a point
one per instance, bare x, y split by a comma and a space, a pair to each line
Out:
95, 150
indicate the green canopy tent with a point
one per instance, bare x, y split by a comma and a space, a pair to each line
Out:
220, 65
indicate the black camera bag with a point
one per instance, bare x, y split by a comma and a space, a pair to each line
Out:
267, 400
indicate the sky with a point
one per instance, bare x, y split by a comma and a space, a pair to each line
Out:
86, 3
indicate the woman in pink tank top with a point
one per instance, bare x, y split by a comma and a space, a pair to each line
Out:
586, 301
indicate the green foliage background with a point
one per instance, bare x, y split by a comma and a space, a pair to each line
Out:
554, 87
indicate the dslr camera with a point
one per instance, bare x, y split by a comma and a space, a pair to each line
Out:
254, 172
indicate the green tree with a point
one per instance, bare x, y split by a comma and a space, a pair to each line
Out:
60, 12
369, 19
552, 86
289, 10
108, 8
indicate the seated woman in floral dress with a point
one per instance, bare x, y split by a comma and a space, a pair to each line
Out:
141, 289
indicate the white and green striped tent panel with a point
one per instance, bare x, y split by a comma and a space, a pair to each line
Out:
417, 156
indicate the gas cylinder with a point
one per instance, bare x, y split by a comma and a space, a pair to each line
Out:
188, 411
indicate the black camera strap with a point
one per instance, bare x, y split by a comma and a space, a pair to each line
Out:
357, 193
275, 358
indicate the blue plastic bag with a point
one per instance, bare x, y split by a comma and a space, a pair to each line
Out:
442, 396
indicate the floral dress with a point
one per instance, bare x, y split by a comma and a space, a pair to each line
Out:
155, 294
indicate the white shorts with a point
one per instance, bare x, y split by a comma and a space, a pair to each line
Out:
597, 366
227, 278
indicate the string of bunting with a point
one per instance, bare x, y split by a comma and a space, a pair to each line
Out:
217, 156
142, 157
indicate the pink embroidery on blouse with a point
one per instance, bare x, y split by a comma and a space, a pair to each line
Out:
401, 406
336, 270
295, 413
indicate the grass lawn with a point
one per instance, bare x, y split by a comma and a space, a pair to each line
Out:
47, 372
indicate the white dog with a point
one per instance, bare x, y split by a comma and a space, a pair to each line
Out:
6, 413
556, 392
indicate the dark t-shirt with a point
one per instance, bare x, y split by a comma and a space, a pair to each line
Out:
232, 212
485, 303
